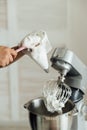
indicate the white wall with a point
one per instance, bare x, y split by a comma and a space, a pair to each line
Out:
78, 28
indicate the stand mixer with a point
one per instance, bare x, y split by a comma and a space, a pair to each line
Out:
74, 71
72, 75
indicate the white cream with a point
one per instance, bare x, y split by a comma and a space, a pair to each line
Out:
52, 103
52, 96
40, 56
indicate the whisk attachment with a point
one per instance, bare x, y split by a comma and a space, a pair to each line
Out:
56, 94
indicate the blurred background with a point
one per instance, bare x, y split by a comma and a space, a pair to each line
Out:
65, 22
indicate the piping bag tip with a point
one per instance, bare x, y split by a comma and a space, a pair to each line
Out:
46, 70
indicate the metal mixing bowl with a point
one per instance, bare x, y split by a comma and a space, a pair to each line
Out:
41, 119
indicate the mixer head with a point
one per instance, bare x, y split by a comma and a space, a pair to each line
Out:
70, 67
57, 63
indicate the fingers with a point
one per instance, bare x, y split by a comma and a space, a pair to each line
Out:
13, 53
10, 58
7, 56
5, 60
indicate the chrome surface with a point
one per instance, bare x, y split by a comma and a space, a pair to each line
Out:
41, 119
67, 63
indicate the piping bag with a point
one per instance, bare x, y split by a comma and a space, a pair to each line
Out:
37, 47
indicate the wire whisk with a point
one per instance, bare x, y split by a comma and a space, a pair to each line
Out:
56, 94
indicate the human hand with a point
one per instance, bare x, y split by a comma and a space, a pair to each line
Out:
7, 55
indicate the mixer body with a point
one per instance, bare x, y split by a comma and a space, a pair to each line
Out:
75, 73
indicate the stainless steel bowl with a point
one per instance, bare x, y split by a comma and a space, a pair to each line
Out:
41, 119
